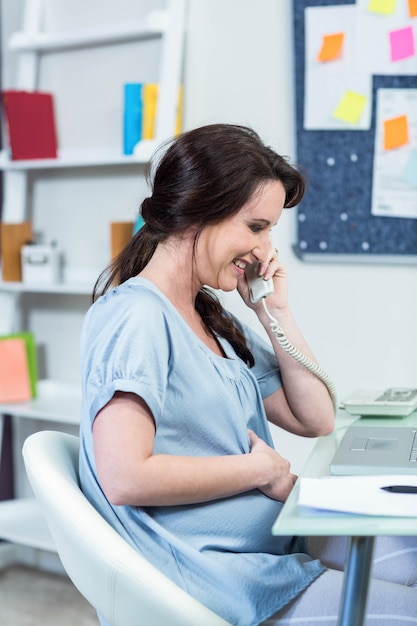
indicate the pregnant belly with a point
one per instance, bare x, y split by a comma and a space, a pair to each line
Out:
241, 523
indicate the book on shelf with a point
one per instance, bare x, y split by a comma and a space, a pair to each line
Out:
140, 111
132, 116
150, 103
12, 238
120, 235
180, 106
30, 124
18, 367
149, 99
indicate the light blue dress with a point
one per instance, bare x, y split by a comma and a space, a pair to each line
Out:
221, 552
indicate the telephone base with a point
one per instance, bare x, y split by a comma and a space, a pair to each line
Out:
390, 402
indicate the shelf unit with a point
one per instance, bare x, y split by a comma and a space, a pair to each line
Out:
82, 158
31, 42
81, 288
59, 402
154, 25
21, 522
56, 401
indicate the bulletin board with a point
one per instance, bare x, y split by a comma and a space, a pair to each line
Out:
361, 198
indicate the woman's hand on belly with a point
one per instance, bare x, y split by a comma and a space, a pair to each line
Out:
278, 480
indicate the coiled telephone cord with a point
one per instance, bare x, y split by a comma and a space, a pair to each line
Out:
300, 357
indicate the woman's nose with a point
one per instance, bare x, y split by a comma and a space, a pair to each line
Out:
261, 250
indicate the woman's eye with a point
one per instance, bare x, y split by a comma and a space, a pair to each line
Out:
256, 228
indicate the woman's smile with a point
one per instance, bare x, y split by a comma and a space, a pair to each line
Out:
240, 265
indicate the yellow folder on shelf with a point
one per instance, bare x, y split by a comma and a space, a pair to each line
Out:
149, 100
180, 106
18, 367
149, 110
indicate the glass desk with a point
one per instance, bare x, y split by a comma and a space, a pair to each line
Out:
362, 529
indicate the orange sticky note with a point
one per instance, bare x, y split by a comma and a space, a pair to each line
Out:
395, 132
14, 371
412, 8
331, 47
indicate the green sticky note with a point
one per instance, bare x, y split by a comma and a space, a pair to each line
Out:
350, 107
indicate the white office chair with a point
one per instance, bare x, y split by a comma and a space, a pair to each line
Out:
121, 585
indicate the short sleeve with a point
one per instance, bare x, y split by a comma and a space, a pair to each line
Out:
125, 347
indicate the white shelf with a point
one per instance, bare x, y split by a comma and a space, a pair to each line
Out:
57, 401
152, 26
99, 157
22, 522
58, 288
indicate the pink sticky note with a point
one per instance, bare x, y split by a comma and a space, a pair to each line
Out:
402, 43
14, 372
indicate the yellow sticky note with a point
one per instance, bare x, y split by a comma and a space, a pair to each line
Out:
395, 132
331, 47
350, 107
385, 7
412, 8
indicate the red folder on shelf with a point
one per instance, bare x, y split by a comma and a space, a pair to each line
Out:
30, 123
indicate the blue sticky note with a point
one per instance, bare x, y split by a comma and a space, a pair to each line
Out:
409, 173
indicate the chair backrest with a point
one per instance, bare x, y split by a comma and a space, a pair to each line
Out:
121, 585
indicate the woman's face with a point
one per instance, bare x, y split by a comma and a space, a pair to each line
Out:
223, 250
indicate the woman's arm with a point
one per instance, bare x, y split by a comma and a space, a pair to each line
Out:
303, 405
129, 472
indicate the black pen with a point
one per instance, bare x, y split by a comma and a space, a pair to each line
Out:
400, 489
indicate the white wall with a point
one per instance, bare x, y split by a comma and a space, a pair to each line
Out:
361, 320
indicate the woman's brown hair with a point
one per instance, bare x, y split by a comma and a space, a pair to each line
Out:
205, 176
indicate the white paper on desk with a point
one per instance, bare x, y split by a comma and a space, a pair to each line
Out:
359, 494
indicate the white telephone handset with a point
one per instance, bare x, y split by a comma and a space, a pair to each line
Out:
259, 289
